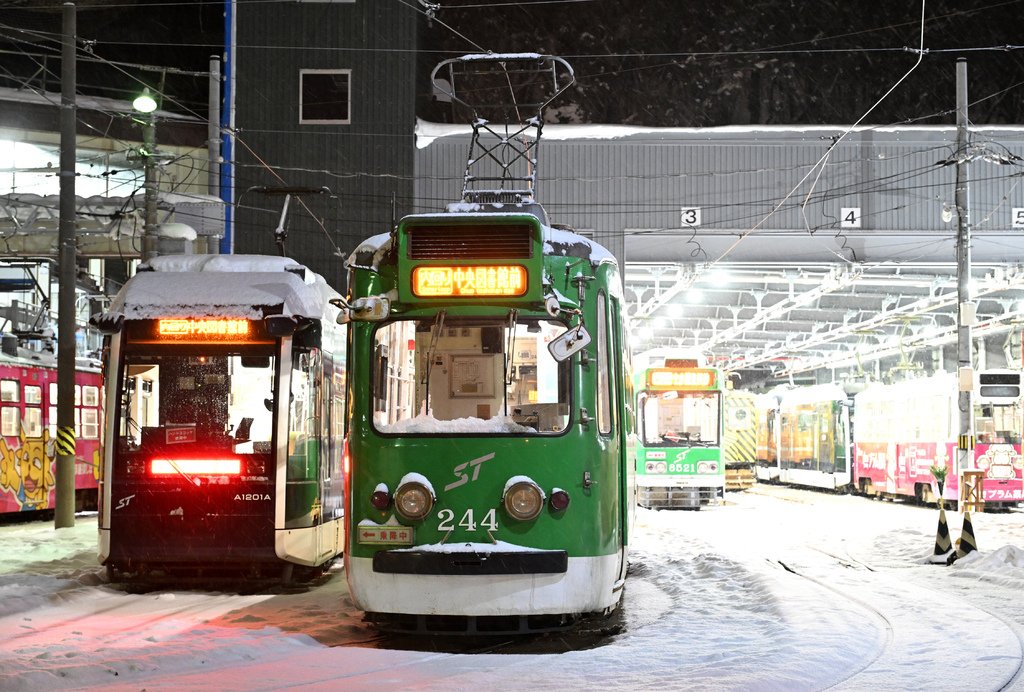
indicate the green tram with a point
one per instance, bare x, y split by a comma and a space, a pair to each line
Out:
679, 423
225, 390
490, 437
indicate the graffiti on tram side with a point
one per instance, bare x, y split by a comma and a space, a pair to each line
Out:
898, 467
27, 477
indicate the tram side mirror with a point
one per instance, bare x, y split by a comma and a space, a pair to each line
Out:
107, 322
572, 341
280, 325
367, 309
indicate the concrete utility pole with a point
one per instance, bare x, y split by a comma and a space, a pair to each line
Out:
149, 235
64, 445
213, 137
965, 308
213, 126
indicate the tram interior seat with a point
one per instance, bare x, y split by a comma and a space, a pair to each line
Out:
242, 433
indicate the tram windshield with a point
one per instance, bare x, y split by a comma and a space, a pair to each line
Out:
680, 419
457, 375
998, 424
217, 396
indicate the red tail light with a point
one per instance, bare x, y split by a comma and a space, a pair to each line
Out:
196, 467
559, 500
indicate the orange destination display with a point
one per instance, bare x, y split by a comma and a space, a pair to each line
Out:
469, 281
688, 378
193, 328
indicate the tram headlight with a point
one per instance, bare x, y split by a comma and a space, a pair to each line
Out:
661, 467
523, 500
413, 500
707, 467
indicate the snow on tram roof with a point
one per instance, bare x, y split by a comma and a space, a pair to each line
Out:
222, 286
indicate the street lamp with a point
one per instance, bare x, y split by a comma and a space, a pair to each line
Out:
146, 104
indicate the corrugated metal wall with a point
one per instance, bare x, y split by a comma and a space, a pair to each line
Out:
364, 164
629, 187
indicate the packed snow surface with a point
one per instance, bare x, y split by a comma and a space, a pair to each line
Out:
777, 589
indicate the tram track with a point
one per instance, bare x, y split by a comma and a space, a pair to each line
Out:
886, 623
900, 620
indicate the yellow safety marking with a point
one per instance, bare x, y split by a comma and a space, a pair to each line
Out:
966, 442
65, 442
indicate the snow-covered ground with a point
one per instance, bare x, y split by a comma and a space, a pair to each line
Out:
778, 589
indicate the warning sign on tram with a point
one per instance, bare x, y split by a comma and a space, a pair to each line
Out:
401, 535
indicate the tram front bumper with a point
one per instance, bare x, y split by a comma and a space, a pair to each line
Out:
470, 563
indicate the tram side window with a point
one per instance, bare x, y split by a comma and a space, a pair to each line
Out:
9, 390
479, 375
9, 421
604, 388
33, 416
302, 499
33, 395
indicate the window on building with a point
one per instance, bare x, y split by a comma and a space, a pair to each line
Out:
324, 96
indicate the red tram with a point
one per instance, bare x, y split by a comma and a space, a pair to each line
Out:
28, 423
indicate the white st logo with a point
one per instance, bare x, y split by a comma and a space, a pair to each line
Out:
460, 471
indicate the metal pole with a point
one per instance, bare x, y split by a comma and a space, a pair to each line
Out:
149, 236
965, 309
213, 138
64, 445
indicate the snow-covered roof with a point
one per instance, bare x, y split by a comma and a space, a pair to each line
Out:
222, 286
820, 392
428, 132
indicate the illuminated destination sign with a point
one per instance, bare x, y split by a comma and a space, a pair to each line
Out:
203, 329
690, 378
469, 282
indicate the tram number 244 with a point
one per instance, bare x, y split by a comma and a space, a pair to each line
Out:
467, 521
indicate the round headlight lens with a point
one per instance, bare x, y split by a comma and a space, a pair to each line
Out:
413, 500
523, 501
660, 467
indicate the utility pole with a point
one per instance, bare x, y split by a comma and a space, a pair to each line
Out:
149, 235
965, 308
213, 138
64, 445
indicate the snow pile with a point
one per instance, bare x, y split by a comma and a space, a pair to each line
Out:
426, 423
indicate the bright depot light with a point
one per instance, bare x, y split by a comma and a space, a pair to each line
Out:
469, 281
144, 102
196, 467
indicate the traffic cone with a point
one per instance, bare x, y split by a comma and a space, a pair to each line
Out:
943, 543
966, 543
